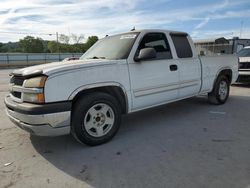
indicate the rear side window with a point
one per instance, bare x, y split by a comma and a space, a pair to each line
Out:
182, 46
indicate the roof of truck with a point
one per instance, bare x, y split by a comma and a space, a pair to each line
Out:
151, 31
157, 30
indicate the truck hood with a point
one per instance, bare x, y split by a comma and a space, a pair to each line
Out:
51, 68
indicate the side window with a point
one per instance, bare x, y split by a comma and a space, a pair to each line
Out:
182, 46
159, 42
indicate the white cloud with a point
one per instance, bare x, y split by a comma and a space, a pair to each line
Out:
101, 17
203, 23
222, 33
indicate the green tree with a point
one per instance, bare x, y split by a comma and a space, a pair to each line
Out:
77, 38
10, 47
30, 44
1, 45
64, 38
90, 42
52, 47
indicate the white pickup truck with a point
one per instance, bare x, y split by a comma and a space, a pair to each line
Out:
120, 74
244, 65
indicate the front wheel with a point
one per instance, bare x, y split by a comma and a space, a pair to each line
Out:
96, 118
220, 92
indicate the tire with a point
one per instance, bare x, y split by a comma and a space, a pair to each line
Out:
96, 118
220, 92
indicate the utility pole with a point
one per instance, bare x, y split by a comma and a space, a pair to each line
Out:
58, 49
57, 42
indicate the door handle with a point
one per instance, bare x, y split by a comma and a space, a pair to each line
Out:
173, 67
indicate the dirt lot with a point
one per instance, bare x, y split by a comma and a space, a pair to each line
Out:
185, 144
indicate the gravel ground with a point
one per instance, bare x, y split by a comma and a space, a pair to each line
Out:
184, 144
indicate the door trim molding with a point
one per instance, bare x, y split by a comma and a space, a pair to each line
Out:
163, 88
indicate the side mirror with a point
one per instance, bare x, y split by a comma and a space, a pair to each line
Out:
145, 54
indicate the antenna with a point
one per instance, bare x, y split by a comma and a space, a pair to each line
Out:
133, 29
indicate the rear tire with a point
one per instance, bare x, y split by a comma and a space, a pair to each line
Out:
96, 118
220, 92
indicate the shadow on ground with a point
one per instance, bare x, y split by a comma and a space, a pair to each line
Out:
168, 146
243, 85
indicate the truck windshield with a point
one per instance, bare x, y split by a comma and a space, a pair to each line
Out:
112, 47
244, 52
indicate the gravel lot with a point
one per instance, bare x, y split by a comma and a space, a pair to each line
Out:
184, 144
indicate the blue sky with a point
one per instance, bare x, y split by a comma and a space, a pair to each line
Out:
202, 19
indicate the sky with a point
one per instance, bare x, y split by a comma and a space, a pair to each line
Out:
201, 19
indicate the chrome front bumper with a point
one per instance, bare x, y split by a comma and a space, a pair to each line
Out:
40, 119
244, 73
244, 76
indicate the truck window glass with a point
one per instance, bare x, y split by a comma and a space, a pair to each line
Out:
112, 47
182, 46
244, 52
159, 42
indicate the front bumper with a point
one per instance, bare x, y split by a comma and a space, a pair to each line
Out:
244, 76
40, 119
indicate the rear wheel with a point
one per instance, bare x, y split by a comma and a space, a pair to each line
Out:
96, 118
220, 92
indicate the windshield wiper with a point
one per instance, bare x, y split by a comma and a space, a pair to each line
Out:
95, 57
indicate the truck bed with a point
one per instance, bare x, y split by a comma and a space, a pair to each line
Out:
212, 65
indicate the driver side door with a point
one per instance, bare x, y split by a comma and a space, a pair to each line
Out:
154, 81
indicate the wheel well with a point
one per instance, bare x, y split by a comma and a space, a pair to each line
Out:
228, 73
115, 91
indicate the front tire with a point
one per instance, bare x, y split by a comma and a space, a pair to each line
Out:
96, 118
220, 92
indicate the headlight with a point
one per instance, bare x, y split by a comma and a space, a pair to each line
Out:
37, 82
35, 90
33, 97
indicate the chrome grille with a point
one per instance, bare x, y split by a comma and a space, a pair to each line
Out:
16, 81
244, 65
16, 94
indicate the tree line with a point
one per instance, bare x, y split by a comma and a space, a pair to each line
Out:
65, 44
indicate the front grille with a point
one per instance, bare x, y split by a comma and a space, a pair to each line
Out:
244, 65
17, 80
16, 94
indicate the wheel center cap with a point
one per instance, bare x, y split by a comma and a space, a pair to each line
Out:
98, 119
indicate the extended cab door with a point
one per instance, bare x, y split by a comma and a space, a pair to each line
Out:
189, 65
154, 81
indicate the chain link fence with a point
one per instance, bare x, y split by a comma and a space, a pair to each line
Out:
28, 59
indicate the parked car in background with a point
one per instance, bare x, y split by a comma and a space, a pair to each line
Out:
120, 74
71, 58
244, 65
